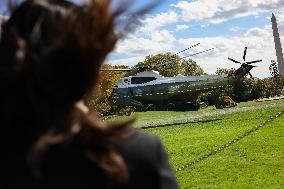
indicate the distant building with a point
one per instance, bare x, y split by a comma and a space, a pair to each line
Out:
278, 48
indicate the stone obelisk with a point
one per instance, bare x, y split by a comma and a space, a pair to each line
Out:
278, 48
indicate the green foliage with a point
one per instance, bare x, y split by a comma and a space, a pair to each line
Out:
211, 97
243, 90
225, 102
98, 99
190, 68
277, 79
250, 88
273, 68
170, 65
222, 71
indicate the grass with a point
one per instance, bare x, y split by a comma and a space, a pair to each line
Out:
257, 161
155, 118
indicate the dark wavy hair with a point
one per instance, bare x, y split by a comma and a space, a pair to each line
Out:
51, 52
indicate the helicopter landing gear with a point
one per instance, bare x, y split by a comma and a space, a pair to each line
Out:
195, 106
190, 106
170, 107
150, 107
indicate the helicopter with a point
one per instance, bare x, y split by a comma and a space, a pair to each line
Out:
148, 90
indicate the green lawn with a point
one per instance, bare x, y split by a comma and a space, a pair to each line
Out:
257, 161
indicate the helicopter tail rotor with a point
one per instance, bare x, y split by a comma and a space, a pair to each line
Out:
244, 58
255, 61
245, 54
237, 62
244, 63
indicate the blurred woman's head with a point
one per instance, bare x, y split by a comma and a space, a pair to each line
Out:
50, 57
57, 46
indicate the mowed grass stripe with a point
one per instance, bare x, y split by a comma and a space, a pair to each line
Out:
153, 119
254, 162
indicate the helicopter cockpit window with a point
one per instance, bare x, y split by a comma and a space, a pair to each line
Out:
142, 80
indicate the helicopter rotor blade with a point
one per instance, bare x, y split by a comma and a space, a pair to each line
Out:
234, 61
245, 54
188, 48
198, 53
163, 61
252, 62
202, 52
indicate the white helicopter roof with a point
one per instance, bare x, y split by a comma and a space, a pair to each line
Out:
151, 73
157, 75
127, 81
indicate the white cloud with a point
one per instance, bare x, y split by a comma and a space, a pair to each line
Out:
204, 25
216, 11
126, 61
136, 46
258, 40
257, 32
150, 38
182, 27
3, 18
153, 37
163, 36
235, 29
152, 23
260, 46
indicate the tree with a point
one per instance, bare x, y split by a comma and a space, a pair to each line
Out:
98, 98
277, 79
273, 68
246, 89
249, 89
190, 68
243, 90
222, 71
169, 65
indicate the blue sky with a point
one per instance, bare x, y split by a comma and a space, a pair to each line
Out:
226, 25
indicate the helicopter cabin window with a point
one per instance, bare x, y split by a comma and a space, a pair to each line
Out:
142, 80
126, 81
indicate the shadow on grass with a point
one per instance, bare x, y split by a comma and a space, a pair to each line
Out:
178, 124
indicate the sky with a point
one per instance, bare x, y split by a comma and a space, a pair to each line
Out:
226, 25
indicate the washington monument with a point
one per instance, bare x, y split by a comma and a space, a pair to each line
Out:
278, 48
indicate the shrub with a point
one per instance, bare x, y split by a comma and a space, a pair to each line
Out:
225, 102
